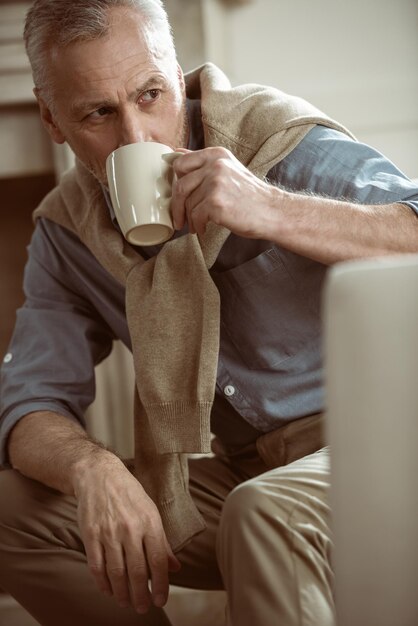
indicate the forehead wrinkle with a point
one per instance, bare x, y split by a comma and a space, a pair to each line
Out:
128, 69
149, 83
113, 70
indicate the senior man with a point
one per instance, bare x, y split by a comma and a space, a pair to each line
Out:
269, 192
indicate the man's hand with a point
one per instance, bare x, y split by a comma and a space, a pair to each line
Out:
213, 186
123, 535
120, 526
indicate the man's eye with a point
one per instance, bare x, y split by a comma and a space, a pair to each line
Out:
100, 112
151, 94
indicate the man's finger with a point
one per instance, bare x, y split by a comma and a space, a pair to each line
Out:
157, 559
117, 573
182, 189
196, 159
138, 577
97, 566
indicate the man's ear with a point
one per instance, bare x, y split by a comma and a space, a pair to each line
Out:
181, 78
48, 119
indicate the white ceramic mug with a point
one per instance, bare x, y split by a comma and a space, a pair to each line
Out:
140, 183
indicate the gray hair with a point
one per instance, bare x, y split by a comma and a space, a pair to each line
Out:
61, 22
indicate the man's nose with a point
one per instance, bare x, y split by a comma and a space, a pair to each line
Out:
132, 129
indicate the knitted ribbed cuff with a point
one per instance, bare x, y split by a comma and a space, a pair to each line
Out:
180, 426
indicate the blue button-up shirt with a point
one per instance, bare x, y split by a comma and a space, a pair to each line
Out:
270, 363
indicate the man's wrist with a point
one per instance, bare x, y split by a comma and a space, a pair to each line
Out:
93, 459
274, 224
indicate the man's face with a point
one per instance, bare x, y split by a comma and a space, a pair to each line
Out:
122, 88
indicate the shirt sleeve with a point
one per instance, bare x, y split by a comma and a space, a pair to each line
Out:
329, 163
57, 341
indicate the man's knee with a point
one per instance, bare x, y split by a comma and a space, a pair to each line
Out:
28, 508
246, 509
14, 514
243, 498
277, 505
13, 497
250, 501
252, 538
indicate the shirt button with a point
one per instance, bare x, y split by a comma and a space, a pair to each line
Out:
8, 357
229, 390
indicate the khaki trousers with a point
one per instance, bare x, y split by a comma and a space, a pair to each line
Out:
267, 543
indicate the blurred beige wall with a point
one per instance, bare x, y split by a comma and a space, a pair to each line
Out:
356, 60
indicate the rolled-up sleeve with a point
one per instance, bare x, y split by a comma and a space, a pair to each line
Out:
327, 162
58, 339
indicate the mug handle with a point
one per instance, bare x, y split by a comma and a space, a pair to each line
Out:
170, 157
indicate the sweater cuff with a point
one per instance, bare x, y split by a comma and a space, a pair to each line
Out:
180, 426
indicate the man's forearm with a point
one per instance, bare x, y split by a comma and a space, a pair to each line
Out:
329, 231
213, 186
54, 450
